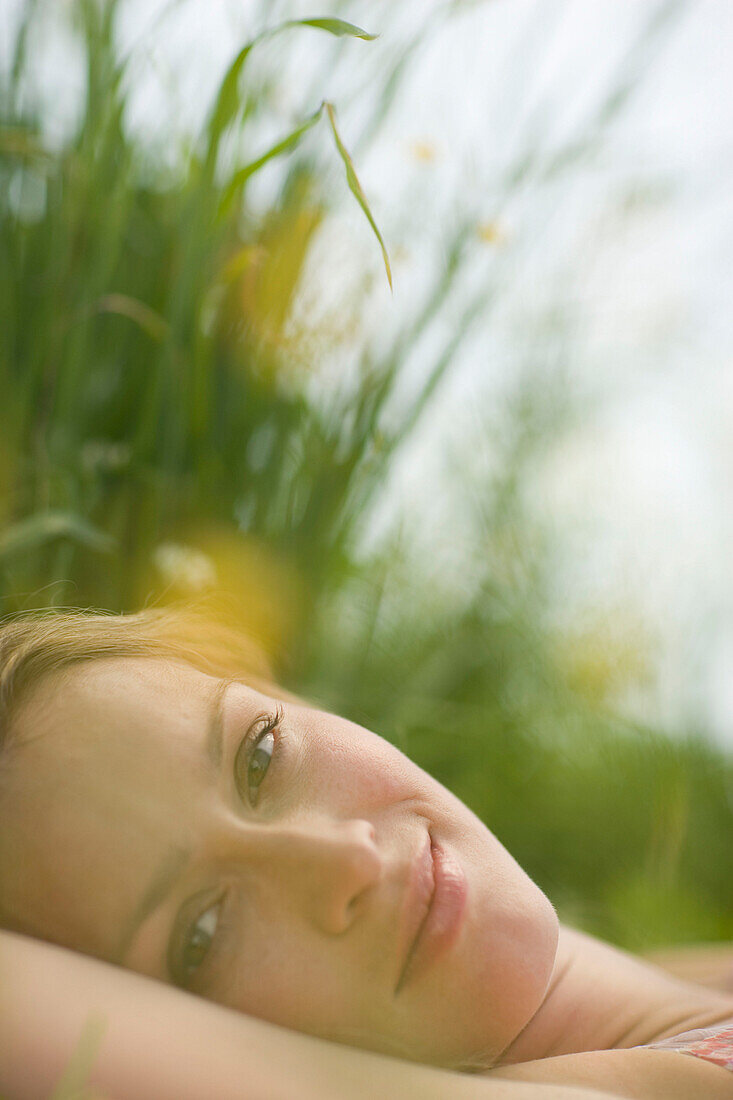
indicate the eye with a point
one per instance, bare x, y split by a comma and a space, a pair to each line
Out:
259, 762
199, 941
255, 754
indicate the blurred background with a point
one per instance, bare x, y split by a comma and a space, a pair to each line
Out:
487, 514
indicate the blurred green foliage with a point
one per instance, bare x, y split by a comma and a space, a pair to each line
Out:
160, 439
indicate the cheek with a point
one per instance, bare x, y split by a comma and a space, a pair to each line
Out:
318, 994
281, 978
358, 769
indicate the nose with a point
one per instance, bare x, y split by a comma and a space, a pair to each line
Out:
323, 867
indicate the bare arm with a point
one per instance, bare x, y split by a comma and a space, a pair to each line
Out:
158, 1042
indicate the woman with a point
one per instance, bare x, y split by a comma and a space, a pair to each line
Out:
165, 808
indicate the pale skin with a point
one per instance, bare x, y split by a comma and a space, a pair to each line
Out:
276, 884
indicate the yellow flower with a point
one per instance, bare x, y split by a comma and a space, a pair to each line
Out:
490, 233
424, 151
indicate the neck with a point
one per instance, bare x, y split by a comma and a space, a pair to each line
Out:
600, 998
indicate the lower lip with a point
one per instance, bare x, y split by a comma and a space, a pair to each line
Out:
443, 920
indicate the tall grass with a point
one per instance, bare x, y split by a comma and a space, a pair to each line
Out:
160, 439
141, 359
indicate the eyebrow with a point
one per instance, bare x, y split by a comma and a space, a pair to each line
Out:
215, 733
174, 862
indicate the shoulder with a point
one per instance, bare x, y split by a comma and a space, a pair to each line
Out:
640, 1073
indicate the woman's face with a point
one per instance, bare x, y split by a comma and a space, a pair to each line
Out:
271, 857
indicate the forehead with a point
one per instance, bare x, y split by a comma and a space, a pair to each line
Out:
106, 757
89, 699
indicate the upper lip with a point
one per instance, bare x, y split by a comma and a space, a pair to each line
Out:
416, 903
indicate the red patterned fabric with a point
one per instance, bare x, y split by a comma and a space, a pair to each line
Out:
714, 1044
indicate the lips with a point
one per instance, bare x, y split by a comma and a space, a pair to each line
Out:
435, 902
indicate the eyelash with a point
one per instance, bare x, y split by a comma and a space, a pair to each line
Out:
251, 741
220, 936
247, 746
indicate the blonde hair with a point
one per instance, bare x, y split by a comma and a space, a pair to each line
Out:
37, 643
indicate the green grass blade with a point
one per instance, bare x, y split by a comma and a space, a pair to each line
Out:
43, 527
147, 319
73, 1084
239, 179
356, 188
338, 27
227, 101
